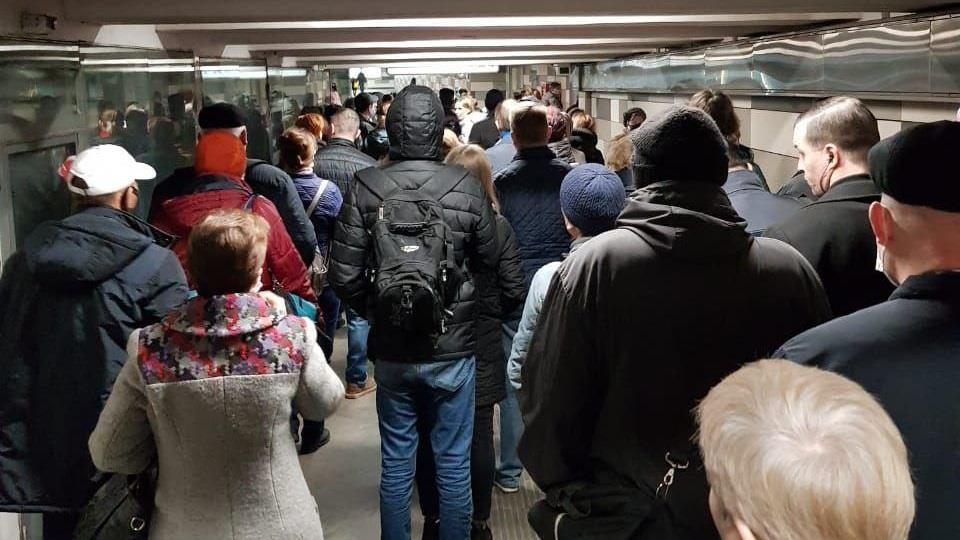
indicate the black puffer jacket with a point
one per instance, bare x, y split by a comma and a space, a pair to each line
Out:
338, 161
71, 296
498, 293
415, 127
585, 141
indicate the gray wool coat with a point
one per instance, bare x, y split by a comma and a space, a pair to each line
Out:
227, 460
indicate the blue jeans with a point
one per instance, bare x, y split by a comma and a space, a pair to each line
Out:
440, 396
357, 331
509, 467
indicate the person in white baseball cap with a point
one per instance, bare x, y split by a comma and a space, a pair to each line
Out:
106, 175
72, 294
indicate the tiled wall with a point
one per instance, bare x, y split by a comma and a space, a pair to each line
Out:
766, 123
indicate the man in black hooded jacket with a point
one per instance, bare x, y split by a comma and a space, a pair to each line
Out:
637, 326
71, 296
436, 390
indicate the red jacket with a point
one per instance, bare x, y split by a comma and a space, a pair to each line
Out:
178, 215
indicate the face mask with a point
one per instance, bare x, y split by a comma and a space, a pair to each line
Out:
880, 267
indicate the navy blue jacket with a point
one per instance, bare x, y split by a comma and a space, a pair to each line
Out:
71, 296
501, 154
529, 193
324, 216
755, 204
905, 352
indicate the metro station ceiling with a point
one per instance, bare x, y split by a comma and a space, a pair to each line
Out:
385, 32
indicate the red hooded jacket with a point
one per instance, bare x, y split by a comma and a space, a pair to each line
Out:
210, 192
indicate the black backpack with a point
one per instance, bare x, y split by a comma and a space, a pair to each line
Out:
414, 273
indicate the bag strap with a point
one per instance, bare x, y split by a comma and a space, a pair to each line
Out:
316, 198
248, 205
378, 182
444, 181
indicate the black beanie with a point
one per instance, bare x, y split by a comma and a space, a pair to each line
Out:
682, 144
221, 116
915, 166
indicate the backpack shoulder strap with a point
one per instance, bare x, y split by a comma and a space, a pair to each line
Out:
316, 198
444, 181
248, 205
378, 182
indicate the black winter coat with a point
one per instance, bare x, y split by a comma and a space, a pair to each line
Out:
71, 297
529, 193
904, 352
415, 126
338, 161
834, 234
797, 188
499, 293
585, 141
639, 323
265, 180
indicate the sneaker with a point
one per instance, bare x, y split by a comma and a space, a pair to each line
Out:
480, 531
312, 444
431, 528
355, 390
506, 487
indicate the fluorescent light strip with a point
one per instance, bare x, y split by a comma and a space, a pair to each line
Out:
457, 43
490, 61
441, 69
131, 61
496, 22
471, 55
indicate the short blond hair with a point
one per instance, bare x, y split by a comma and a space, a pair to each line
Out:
226, 251
529, 125
796, 452
504, 113
472, 158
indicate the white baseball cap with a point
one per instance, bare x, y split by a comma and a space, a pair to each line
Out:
107, 168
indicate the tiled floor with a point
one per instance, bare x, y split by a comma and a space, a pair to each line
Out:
344, 476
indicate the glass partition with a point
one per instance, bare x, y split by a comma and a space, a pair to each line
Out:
142, 100
244, 84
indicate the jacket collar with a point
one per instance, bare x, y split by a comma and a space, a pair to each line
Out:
858, 187
742, 180
943, 284
337, 141
158, 236
537, 152
224, 315
575, 245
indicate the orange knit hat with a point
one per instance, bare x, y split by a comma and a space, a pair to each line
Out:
220, 153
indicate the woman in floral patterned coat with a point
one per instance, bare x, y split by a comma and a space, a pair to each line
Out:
208, 390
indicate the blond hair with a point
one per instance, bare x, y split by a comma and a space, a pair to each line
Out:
472, 158
226, 251
504, 113
796, 453
450, 141
469, 103
619, 153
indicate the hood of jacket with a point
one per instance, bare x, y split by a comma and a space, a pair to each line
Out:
563, 150
584, 137
742, 180
89, 247
688, 220
415, 125
223, 316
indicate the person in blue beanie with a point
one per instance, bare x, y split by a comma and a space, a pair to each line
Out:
591, 198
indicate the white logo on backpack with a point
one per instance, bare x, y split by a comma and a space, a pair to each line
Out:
409, 249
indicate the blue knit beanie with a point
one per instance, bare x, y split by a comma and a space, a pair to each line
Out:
592, 197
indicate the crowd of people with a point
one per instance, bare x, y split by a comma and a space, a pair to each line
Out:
673, 350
